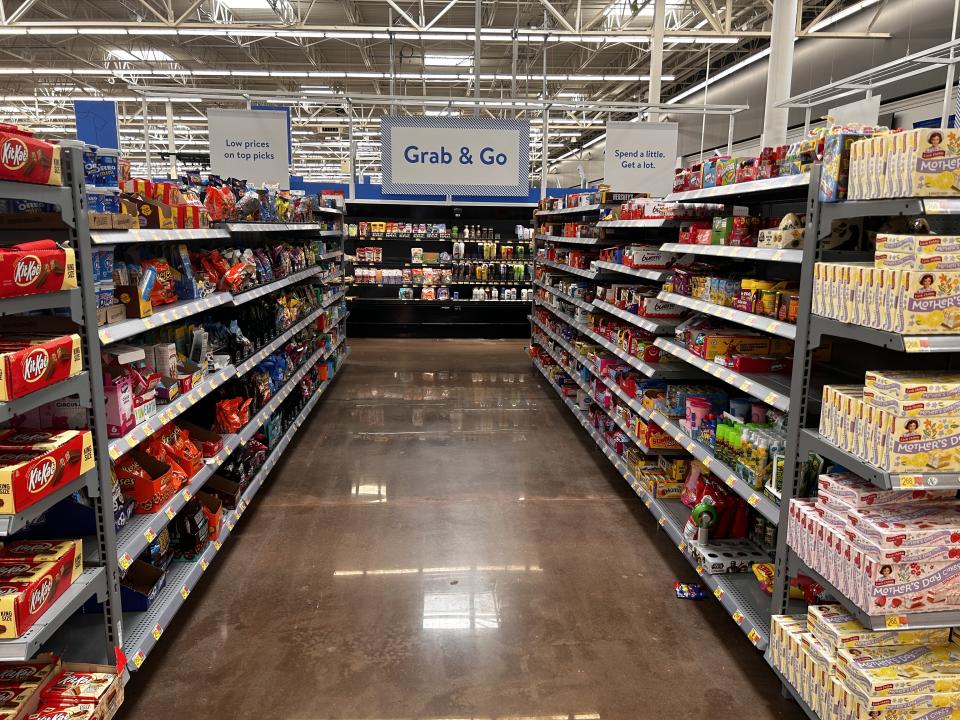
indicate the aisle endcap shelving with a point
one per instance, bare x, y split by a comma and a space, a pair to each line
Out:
78, 384
645, 273
736, 592
750, 320
755, 187
771, 388
820, 326
10, 524
902, 621
170, 313
144, 629
118, 446
812, 441
148, 235
640, 223
650, 325
784, 255
574, 240
755, 498
92, 582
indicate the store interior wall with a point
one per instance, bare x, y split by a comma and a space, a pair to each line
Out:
913, 26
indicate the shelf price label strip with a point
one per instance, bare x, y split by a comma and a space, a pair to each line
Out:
634, 319
756, 635
173, 596
751, 320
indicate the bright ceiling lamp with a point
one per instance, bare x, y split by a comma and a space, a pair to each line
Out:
246, 4
145, 55
448, 60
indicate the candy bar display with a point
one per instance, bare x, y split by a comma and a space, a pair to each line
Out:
25, 158
641, 208
778, 299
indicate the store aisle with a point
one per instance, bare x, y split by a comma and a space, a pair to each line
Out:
444, 541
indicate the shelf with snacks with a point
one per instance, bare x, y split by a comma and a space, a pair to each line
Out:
823, 326
170, 313
144, 629
738, 593
258, 227
754, 496
590, 274
785, 183
155, 235
640, 223
578, 210
78, 384
10, 524
812, 442
292, 278
574, 240
736, 252
564, 296
656, 326
750, 320
645, 273
771, 388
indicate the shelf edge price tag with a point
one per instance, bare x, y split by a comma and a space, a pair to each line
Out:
662, 520
738, 617
911, 481
718, 593
184, 592
896, 622
156, 632
217, 545
682, 546
149, 535
138, 658
186, 496
754, 636
125, 561
203, 564
753, 500
169, 513
699, 569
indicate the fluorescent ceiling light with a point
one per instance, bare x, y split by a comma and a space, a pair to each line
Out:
719, 76
146, 55
845, 13
247, 4
448, 60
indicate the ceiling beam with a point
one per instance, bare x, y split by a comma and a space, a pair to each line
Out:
404, 15
708, 14
557, 15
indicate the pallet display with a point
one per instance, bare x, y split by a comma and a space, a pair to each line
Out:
432, 271
309, 310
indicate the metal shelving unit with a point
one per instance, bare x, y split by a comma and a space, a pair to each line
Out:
737, 253
822, 326
573, 240
750, 320
565, 297
646, 274
578, 209
589, 274
789, 183
79, 384
146, 235
640, 223
654, 326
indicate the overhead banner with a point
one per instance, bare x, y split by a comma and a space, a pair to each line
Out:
251, 145
455, 156
640, 157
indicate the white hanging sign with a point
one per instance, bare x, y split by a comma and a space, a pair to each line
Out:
251, 145
640, 157
455, 156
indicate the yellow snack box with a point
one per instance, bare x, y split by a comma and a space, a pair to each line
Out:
835, 628
936, 166
926, 302
929, 706
891, 242
910, 408
928, 444
901, 670
914, 384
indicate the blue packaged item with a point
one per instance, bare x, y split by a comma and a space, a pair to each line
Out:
94, 201
111, 202
104, 296
106, 263
107, 167
689, 591
90, 171
147, 281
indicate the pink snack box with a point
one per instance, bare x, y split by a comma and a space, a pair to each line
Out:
896, 526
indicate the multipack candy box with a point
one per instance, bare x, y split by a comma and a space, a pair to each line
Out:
24, 158
36, 267
31, 473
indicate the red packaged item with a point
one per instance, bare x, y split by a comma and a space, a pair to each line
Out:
146, 480
28, 674
28, 363
232, 414
34, 551
159, 450
163, 291
24, 158
27, 590
167, 193
36, 267
208, 441
85, 711
138, 186
30, 475
184, 451
77, 688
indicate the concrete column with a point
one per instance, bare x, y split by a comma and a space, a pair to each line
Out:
779, 73
656, 55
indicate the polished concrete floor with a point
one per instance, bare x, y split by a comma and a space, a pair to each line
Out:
444, 541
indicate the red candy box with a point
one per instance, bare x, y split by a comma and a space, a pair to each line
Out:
36, 267
24, 158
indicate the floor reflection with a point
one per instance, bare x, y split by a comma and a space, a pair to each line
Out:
461, 611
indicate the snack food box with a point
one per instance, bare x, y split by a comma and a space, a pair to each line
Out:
917, 244
29, 363
29, 589
31, 268
29, 673
855, 492
899, 670
85, 684
84, 711
914, 385
29, 476
34, 551
935, 163
906, 526
835, 628
911, 408
24, 158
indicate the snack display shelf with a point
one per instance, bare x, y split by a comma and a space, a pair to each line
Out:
797, 698
888, 206
591, 274
140, 530
93, 581
663, 326
10, 524
235, 227
738, 593
449, 284
366, 263
770, 185
330, 255
449, 301
78, 384
574, 240
645, 273
60, 195
640, 223
820, 326
44, 301
903, 621
755, 498
620, 422
735, 251
812, 441
144, 629
278, 342
170, 313
566, 298
327, 302
771, 388
569, 210
276, 285
751, 320
331, 278
118, 446
146, 235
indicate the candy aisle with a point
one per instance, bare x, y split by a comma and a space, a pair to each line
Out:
769, 366
178, 348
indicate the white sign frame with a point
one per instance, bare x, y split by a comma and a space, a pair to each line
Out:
640, 157
238, 137
455, 156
